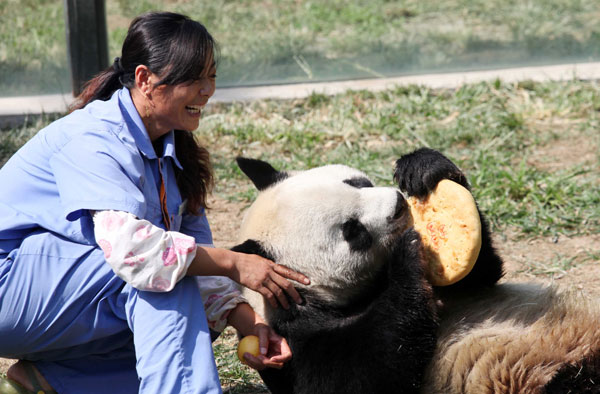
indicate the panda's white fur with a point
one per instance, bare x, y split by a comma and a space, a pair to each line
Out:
504, 338
299, 220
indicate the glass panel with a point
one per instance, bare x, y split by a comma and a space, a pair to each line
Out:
33, 55
270, 41
283, 41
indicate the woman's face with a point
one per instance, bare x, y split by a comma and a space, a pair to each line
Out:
180, 106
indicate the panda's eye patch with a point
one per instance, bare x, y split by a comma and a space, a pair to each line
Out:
358, 182
356, 234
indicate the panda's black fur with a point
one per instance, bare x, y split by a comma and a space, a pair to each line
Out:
384, 340
380, 343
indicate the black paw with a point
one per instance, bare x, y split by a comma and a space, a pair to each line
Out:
419, 172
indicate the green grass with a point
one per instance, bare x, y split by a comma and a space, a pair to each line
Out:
236, 378
560, 265
33, 57
555, 268
498, 133
289, 40
11, 140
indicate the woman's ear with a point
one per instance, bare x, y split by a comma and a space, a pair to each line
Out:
143, 80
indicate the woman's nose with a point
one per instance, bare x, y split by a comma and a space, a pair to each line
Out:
208, 87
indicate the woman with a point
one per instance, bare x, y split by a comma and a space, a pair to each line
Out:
106, 264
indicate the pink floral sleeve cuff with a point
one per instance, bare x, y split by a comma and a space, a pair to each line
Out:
220, 295
143, 255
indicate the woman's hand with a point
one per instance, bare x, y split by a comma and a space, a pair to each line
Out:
267, 278
274, 349
250, 270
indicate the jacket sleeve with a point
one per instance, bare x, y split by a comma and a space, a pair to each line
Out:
152, 259
143, 255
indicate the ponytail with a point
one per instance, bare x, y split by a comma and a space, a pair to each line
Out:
101, 87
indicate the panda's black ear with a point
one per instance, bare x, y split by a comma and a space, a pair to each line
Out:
251, 246
261, 173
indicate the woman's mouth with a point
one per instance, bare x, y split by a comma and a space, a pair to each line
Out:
194, 109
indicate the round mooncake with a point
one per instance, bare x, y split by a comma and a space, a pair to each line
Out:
450, 229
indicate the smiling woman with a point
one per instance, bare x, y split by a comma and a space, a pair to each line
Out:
167, 64
108, 270
171, 107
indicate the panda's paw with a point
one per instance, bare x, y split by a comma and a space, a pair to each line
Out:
407, 264
419, 172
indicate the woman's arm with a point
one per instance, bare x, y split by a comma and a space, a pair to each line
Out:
152, 259
252, 271
143, 255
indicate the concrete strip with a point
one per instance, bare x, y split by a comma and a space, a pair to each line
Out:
34, 105
584, 71
21, 107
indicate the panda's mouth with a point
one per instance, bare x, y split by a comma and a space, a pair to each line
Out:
401, 219
402, 224
401, 208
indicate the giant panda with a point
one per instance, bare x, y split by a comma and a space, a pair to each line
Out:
372, 323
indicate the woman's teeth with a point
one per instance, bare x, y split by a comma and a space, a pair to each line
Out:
194, 109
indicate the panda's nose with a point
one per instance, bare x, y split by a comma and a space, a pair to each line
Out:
401, 207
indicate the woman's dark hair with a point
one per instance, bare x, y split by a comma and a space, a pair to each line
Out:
179, 49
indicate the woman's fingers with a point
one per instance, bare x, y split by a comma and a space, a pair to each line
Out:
269, 279
289, 288
291, 274
254, 362
279, 348
261, 362
264, 332
268, 295
277, 282
274, 349
277, 293
282, 274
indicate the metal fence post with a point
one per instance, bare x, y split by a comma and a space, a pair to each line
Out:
87, 40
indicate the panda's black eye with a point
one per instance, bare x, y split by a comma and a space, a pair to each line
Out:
358, 182
356, 234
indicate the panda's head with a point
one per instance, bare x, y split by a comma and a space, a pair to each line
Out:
330, 223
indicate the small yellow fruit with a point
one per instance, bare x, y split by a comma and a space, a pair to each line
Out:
248, 344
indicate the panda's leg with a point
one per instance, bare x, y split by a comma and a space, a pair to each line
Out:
417, 174
278, 381
580, 378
